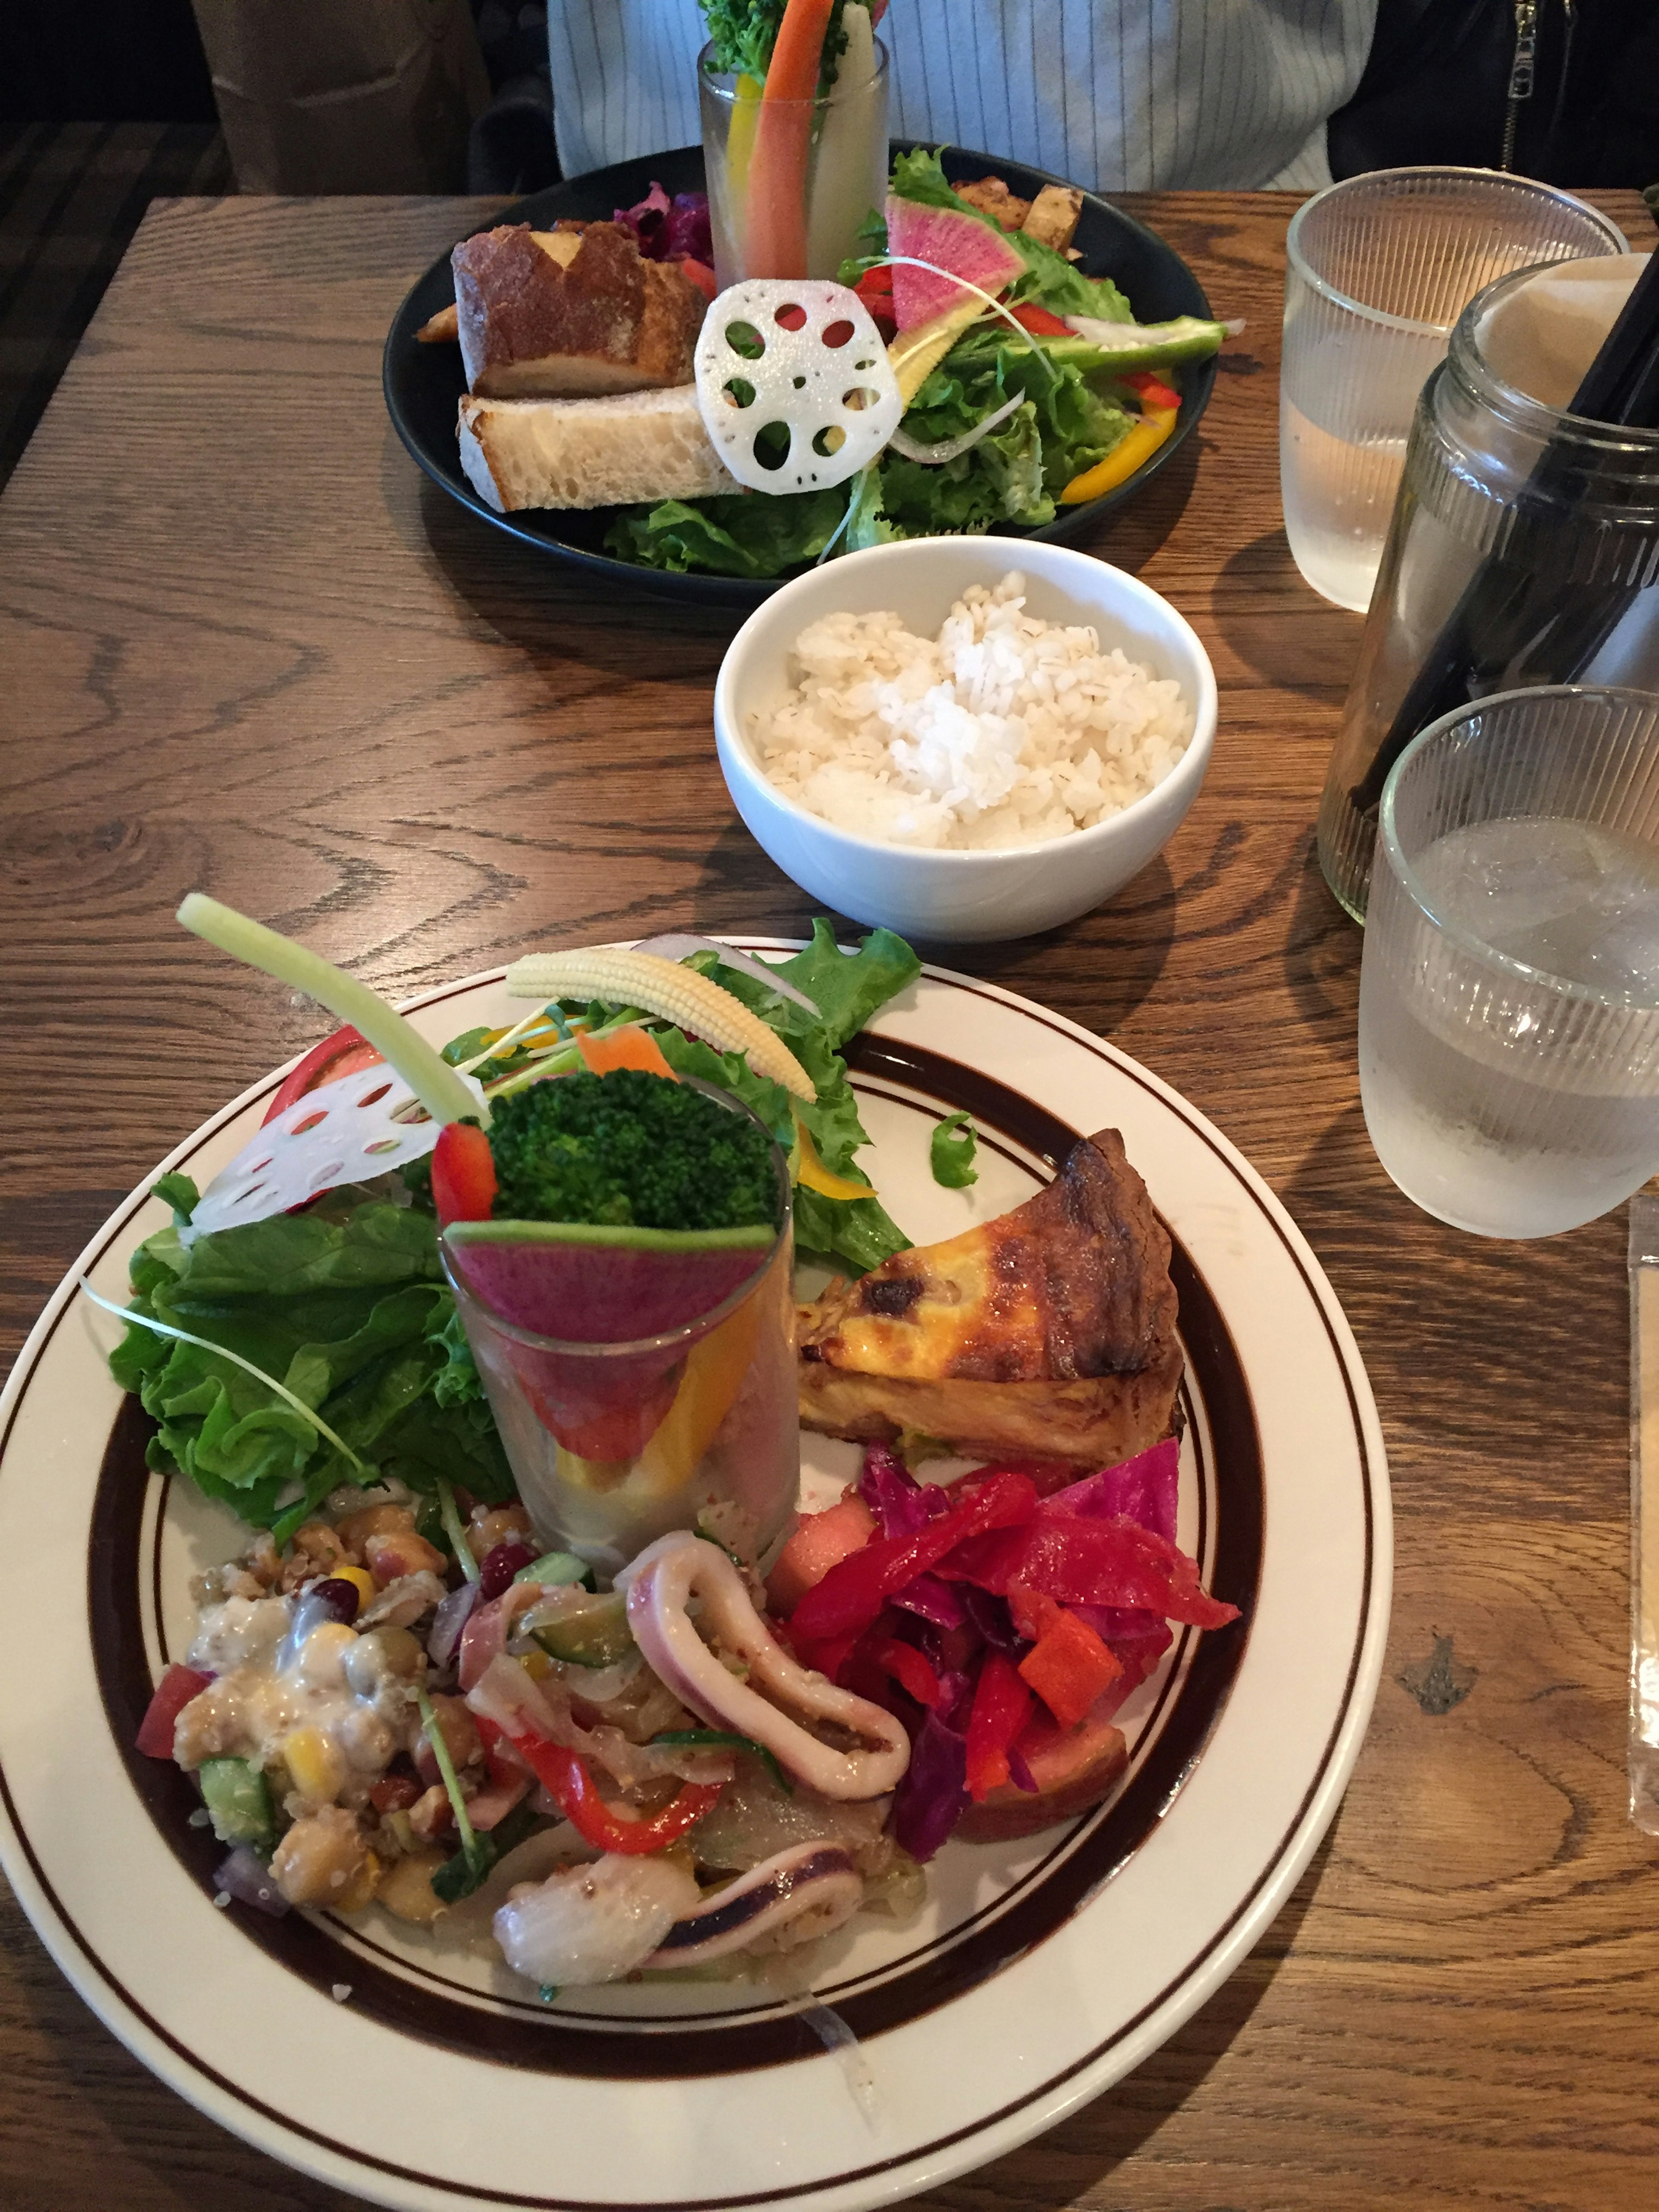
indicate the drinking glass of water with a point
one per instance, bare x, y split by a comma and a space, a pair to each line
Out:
1379, 269
1509, 998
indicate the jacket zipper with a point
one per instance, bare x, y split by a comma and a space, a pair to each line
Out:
1522, 71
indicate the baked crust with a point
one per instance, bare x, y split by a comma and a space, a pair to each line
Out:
1050, 1331
538, 321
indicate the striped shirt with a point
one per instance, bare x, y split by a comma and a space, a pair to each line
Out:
1122, 95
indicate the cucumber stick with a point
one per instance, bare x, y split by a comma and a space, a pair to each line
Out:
238, 1801
430, 1076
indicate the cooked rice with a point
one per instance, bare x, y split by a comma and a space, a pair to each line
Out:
1005, 731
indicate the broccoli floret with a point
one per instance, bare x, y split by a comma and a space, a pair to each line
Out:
628, 1148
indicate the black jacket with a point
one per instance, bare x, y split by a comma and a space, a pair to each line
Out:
1442, 84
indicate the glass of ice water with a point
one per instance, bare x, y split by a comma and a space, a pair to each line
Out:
1379, 268
1509, 998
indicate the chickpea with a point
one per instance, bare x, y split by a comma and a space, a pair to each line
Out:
406, 1888
398, 1553
325, 1654
497, 1524
460, 1733
322, 1857
317, 1549
379, 1653
366, 1740
355, 1531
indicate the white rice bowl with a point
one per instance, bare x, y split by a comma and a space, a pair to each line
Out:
1005, 731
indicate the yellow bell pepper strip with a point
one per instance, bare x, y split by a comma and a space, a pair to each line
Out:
1137, 445
805, 1166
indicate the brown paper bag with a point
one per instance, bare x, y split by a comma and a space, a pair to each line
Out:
345, 95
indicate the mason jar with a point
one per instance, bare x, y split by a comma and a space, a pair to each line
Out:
1524, 550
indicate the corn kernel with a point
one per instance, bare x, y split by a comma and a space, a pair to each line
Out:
361, 1580
315, 1764
360, 1890
537, 1665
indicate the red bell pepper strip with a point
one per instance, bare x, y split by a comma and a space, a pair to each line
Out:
463, 1173
1154, 392
1084, 1561
1068, 1666
1038, 320
855, 1589
909, 1668
173, 1693
565, 1777
700, 274
1001, 1704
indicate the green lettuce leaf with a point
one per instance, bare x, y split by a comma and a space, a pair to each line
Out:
751, 534
352, 1315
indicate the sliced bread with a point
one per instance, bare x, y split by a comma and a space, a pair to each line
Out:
589, 452
571, 313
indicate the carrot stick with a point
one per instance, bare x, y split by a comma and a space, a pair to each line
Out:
783, 143
632, 1046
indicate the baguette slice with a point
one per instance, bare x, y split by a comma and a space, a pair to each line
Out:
572, 313
589, 452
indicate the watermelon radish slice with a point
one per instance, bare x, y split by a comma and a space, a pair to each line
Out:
583, 1285
602, 1286
959, 243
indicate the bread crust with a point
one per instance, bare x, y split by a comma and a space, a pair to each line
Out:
606, 321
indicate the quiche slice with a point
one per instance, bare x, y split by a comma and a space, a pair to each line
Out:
1048, 1332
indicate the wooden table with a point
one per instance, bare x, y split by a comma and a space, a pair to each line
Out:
247, 649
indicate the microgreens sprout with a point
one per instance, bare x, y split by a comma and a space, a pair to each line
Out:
434, 1736
206, 1343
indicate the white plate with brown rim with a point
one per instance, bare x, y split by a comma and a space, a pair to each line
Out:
371, 2056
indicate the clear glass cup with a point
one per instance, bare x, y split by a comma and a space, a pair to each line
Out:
1509, 997
1379, 268
1524, 550
613, 1440
832, 152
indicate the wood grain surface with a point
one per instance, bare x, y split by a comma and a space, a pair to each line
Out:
247, 649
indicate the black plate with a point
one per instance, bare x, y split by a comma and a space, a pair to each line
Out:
424, 383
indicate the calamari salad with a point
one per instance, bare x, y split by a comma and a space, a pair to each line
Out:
691, 1771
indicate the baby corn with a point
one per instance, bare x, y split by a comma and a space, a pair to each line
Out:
678, 994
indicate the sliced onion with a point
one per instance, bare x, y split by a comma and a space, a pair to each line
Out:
933, 456
245, 1876
451, 1618
677, 946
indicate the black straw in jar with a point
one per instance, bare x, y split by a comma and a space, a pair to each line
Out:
1503, 613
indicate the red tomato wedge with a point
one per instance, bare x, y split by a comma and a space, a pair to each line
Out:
343, 1054
173, 1693
463, 1173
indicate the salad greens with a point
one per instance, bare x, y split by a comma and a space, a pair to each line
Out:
847, 990
1072, 412
743, 33
951, 1151
346, 1305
